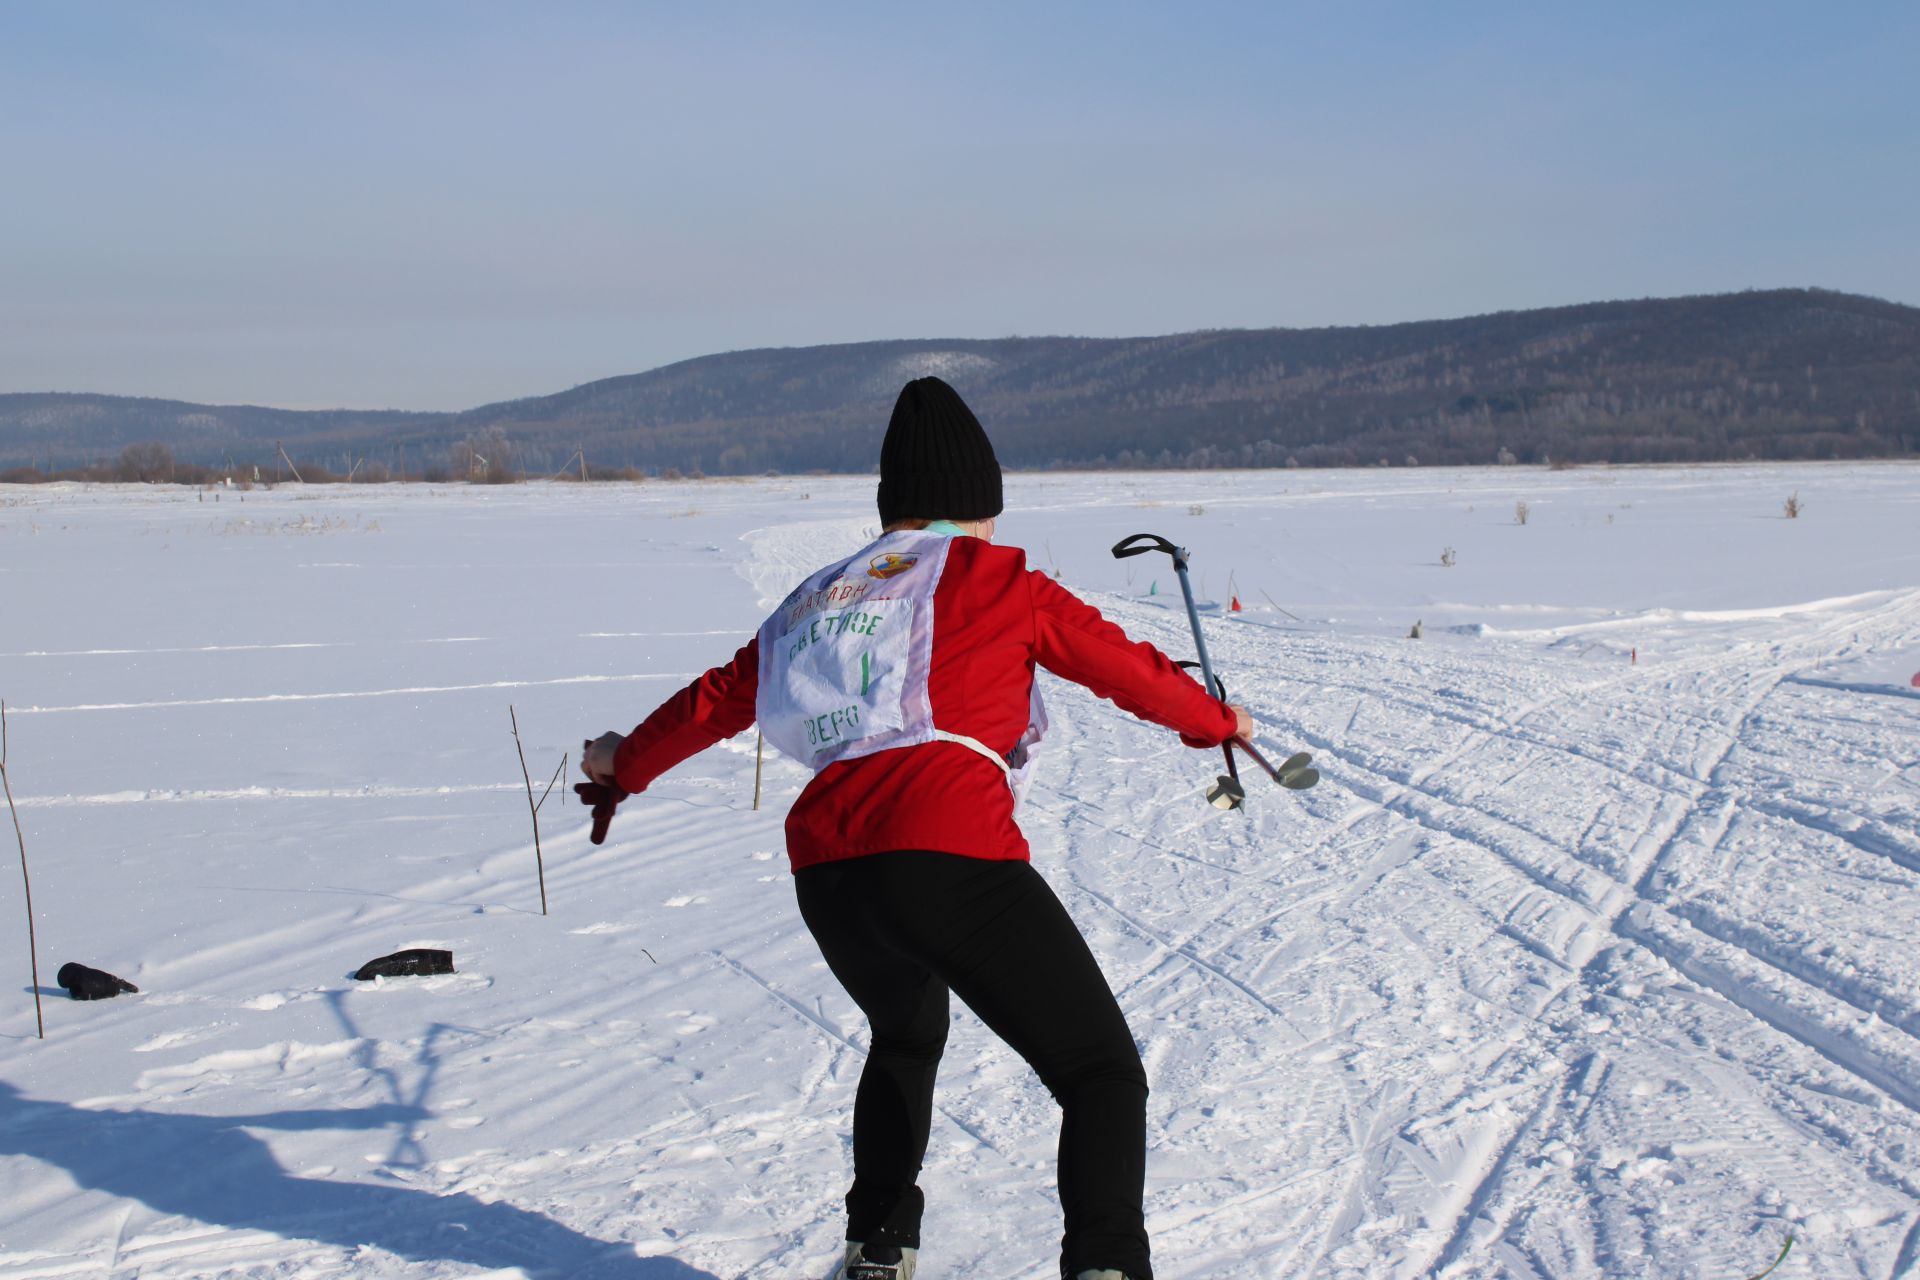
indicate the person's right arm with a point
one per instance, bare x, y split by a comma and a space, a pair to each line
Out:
717, 705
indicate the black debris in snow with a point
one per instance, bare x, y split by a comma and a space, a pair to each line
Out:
415, 962
83, 983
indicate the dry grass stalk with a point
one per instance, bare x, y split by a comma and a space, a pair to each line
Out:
533, 806
33, 951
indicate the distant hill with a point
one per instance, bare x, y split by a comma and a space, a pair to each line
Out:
72, 430
1785, 373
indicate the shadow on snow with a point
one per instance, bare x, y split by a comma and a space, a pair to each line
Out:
209, 1168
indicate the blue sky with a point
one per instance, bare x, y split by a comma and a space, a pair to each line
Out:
436, 205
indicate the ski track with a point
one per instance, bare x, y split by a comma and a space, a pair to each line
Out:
1481, 1191
1182, 951
1907, 1261
1706, 801
1422, 806
820, 1026
336, 695
370, 791
270, 646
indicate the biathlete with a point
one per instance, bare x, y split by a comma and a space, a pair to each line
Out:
904, 676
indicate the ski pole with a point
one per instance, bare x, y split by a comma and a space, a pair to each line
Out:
1293, 773
1140, 544
1227, 791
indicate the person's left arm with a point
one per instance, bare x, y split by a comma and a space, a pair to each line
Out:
1074, 641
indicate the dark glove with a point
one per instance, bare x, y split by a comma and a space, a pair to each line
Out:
600, 792
604, 798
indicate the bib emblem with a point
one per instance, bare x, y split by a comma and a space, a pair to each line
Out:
890, 565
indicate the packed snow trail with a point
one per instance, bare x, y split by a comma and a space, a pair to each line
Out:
1572, 965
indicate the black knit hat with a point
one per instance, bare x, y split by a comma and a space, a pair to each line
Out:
936, 461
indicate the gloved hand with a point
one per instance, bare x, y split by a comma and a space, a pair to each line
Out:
602, 794
596, 757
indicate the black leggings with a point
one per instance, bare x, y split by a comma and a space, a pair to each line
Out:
901, 929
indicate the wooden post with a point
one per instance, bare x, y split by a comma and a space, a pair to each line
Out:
759, 755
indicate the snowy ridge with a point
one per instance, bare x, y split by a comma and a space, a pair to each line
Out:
781, 556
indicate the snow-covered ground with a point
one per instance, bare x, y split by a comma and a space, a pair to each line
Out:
1594, 953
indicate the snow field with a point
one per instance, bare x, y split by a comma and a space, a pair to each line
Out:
1573, 965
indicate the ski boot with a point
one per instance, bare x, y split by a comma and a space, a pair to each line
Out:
877, 1262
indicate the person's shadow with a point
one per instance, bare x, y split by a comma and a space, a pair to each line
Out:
210, 1168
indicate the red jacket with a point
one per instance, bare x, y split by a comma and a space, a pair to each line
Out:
993, 620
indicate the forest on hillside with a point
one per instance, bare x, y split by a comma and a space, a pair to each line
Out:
1780, 374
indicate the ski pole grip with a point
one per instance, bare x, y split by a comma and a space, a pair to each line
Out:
1140, 543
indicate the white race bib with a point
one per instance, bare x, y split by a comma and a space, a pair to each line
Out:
844, 660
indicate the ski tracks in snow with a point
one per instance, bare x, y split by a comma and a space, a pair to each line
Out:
1583, 861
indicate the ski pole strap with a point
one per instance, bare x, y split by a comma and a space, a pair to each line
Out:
1140, 543
1219, 686
974, 744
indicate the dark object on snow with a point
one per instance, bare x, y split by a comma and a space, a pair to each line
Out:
415, 962
83, 983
